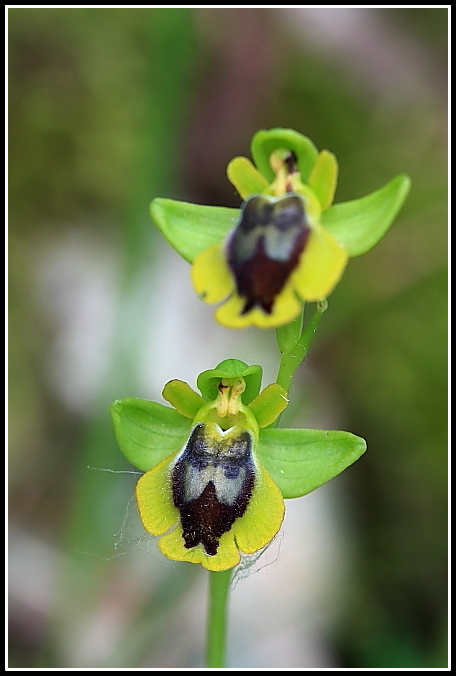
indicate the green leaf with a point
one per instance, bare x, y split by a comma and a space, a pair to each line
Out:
359, 224
264, 142
192, 228
208, 381
300, 460
147, 432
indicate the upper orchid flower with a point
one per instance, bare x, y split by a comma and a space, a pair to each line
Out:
287, 244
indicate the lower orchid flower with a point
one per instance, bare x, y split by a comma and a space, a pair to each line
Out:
216, 473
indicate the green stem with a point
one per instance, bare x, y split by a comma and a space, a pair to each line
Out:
294, 354
219, 585
294, 342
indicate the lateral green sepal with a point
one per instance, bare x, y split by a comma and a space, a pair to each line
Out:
300, 460
147, 432
359, 224
192, 228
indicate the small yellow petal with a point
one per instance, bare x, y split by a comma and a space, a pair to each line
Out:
245, 177
211, 275
321, 266
269, 404
263, 517
154, 498
172, 545
323, 179
184, 399
285, 308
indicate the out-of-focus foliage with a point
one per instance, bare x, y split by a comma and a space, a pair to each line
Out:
110, 108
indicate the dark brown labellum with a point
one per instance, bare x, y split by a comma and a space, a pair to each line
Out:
212, 484
265, 248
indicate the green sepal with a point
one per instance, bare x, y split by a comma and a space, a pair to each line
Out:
269, 404
264, 142
192, 228
300, 460
148, 432
184, 399
208, 381
359, 224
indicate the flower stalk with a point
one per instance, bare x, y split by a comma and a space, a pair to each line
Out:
217, 620
294, 350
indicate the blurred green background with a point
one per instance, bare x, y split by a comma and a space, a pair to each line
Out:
109, 108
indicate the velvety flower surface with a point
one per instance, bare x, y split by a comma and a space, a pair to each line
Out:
276, 257
213, 496
215, 473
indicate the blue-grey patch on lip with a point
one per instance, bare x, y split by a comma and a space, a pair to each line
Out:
230, 469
